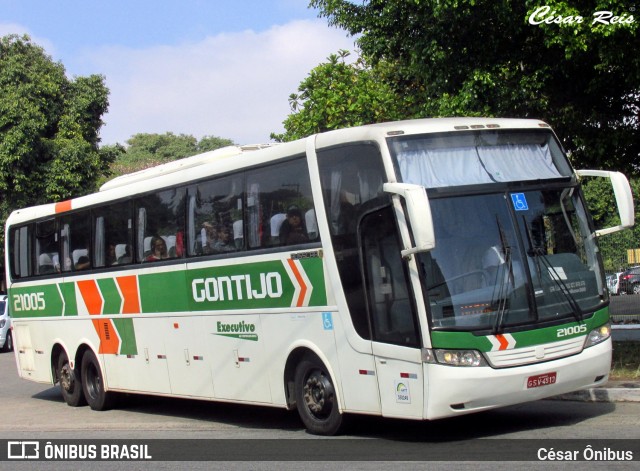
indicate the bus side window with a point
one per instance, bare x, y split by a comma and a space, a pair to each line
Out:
390, 307
20, 251
76, 241
214, 211
279, 205
113, 235
47, 248
160, 225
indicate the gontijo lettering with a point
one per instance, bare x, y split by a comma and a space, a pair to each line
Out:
236, 287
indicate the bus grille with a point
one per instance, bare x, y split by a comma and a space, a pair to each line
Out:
535, 354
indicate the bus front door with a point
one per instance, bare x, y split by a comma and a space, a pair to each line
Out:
394, 327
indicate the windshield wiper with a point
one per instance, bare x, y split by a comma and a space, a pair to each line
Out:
505, 268
537, 253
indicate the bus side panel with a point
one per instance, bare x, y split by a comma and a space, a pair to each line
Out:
358, 378
145, 368
284, 332
239, 363
189, 355
31, 366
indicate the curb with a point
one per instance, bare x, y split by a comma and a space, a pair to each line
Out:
601, 395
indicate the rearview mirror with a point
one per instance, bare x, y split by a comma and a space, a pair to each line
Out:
419, 214
623, 195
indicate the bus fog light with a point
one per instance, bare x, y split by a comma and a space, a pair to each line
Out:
598, 335
460, 358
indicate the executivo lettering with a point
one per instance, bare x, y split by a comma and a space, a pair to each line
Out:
239, 330
237, 287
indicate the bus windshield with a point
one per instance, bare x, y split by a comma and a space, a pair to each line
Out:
504, 258
497, 264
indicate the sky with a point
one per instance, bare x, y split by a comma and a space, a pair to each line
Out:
199, 67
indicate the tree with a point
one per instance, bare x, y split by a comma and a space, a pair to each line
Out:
49, 128
484, 57
209, 143
338, 94
601, 202
146, 150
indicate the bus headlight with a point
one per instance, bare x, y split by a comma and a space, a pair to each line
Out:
460, 357
598, 335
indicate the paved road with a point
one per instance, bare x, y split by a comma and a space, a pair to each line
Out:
34, 411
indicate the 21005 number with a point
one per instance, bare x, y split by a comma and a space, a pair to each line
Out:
29, 302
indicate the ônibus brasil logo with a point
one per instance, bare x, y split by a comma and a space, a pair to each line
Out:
239, 330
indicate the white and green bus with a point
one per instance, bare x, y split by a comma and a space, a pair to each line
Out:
418, 270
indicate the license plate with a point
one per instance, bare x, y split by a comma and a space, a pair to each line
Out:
541, 380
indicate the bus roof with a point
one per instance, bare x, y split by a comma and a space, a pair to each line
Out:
219, 161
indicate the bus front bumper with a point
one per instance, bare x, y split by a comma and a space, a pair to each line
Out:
461, 390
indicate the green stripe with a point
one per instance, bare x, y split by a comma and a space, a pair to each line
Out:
258, 285
127, 336
111, 296
68, 291
535, 336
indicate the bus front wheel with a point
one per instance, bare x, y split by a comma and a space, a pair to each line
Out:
70, 383
93, 383
316, 398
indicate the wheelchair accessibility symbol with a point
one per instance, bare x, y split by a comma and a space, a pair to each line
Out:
327, 321
519, 202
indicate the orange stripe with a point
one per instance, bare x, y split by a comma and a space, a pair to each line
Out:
63, 206
91, 296
109, 342
129, 289
303, 286
504, 343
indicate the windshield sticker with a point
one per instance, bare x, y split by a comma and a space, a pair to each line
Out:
557, 273
519, 202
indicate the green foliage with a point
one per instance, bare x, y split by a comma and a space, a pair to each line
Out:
209, 143
625, 363
484, 58
601, 203
146, 150
337, 94
49, 128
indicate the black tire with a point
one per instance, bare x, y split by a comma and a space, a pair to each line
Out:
93, 383
8, 343
316, 398
70, 382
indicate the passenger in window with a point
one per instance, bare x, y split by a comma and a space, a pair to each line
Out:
83, 263
80, 259
223, 242
158, 250
292, 230
45, 264
125, 258
111, 255
208, 237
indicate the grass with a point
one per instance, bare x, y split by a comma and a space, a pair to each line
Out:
626, 361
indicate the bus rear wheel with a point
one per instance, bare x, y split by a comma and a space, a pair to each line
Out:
316, 398
93, 383
70, 383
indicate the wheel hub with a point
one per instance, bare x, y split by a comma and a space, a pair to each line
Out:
67, 378
318, 394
